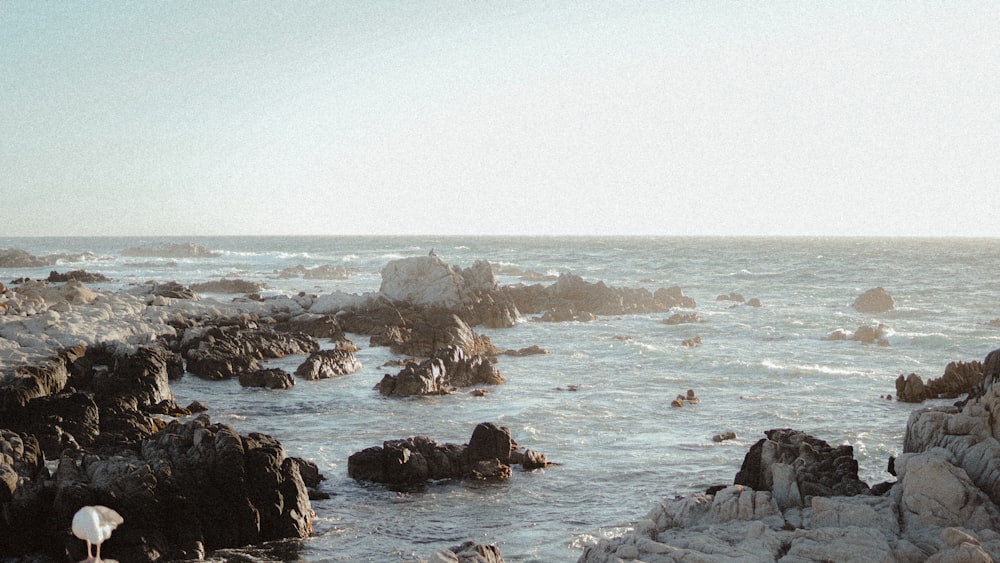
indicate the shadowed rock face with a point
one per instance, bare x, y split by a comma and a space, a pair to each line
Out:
958, 378
415, 460
224, 352
448, 368
324, 364
189, 488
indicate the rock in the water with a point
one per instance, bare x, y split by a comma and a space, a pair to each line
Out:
413, 461
876, 300
271, 378
448, 368
959, 378
325, 364
469, 552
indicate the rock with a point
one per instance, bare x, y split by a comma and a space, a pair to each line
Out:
724, 436
325, 364
818, 468
691, 342
839, 334
869, 334
223, 352
317, 326
679, 318
272, 378
731, 297
471, 293
876, 300
425, 333
17, 258
572, 298
225, 285
448, 368
172, 290
469, 552
413, 461
170, 250
532, 350
754, 302
76, 275
959, 378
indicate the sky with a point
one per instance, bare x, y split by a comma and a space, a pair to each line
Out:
524, 118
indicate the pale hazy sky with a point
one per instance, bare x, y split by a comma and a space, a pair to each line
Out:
356, 117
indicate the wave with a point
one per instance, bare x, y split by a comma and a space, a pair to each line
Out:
801, 369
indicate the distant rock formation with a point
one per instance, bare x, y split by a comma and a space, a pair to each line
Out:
876, 300
571, 298
171, 250
226, 285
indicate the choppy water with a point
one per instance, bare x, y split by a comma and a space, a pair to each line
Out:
620, 445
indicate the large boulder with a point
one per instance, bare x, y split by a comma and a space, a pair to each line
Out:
875, 300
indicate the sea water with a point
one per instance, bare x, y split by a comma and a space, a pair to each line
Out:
599, 404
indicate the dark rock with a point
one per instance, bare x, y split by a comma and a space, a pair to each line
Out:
470, 552
528, 351
959, 378
324, 364
224, 352
76, 275
724, 436
317, 326
819, 469
448, 368
172, 290
272, 378
413, 461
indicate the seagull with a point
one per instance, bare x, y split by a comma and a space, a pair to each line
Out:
94, 524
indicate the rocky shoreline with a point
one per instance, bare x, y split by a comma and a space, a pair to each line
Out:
87, 417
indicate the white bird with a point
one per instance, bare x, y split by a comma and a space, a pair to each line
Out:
94, 524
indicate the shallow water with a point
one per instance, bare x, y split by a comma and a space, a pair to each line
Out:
619, 445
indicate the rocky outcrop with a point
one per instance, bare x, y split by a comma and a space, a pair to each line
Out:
322, 272
876, 300
682, 318
315, 325
413, 461
325, 364
226, 285
425, 332
447, 369
224, 352
943, 505
17, 258
571, 296
472, 293
188, 489
81, 276
170, 250
959, 378
469, 552
271, 378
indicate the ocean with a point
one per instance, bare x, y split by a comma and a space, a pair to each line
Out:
599, 404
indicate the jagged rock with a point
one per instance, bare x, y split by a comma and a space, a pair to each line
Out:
427, 332
223, 352
324, 364
317, 326
415, 460
469, 552
471, 293
959, 378
446, 369
272, 378
876, 300
172, 290
81, 276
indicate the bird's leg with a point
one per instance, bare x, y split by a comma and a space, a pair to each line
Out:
97, 557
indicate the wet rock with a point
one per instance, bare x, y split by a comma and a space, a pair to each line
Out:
225, 285
415, 460
469, 552
448, 368
680, 318
271, 378
223, 352
325, 364
76, 275
172, 290
528, 351
959, 378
